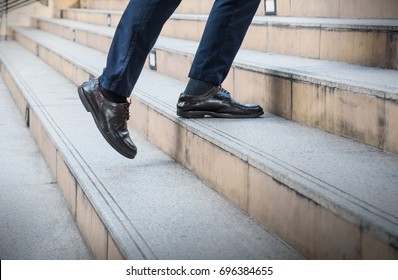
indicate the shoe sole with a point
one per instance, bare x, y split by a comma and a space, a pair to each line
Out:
89, 109
202, 114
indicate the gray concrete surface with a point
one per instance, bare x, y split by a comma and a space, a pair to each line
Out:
35, 222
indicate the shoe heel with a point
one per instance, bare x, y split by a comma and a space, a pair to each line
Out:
83, 99
190, 114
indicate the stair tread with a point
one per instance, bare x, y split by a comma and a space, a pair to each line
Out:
316, 22
172, 215
354, 180
375, 81
375, 24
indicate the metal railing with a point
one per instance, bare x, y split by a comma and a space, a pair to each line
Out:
8, 5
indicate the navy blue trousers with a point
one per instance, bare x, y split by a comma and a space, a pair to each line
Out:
141, 24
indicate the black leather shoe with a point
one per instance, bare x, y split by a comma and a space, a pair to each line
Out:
110, 118
217, 102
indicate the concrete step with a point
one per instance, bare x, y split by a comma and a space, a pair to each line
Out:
103, 4
29, 231
295, 8
349, 100
186, 6
365, 42
98, 17
338, 8
149, 208
358, 41
341, 193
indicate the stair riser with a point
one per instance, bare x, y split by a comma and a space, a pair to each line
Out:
343, 111
295, 8
104, 4
60, 30
195, 7
204, 7
365, 47
89, 39
251, 186
371, 48
338, 8
186, 7
97, 238
99, 18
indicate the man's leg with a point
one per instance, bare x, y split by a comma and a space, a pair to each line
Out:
224, 32
134, 38
106, 98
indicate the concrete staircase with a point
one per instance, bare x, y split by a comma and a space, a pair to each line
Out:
29, 231
319, 170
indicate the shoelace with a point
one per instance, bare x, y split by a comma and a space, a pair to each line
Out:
225, 91
126, 111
